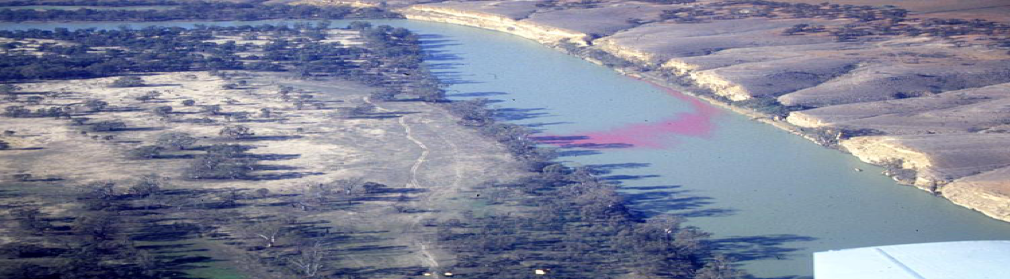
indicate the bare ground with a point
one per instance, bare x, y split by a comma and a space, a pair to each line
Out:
408, 145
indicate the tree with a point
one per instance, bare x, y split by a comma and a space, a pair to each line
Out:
148, 96
148, 185
269, 231
4, 145
127, 81
236, 132
222, 161
145, 152
98, 196
429, 92
361, 110
212, 109
163, 111
473, 112
359, 25
385, 94
108, 126
23, 177
30, 220
262, 192
34, 100
17, 111
176, 141
9, 88
94, 105
309, 260
718, 268
96, 227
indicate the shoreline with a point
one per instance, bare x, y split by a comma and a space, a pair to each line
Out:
974, 199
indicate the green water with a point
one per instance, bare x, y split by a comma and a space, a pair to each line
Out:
769, 198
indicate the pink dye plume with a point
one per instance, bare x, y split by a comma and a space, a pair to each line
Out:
648, 135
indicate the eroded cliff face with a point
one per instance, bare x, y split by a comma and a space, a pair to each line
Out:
741, 60
986, 192
892, 152
540, 33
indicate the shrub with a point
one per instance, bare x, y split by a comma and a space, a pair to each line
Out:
145, 152
148, 185
386, 94
108, 126
162, 111
222, 161
127, 81
236, 132
176, 141
95, 105
17, 111
148, 96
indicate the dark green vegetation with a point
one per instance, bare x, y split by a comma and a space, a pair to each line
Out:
137, 231
198, 11
96, 3
148, 228
163, 49
572, 223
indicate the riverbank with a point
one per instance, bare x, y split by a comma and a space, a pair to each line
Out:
261, 169
295, 172
737, 70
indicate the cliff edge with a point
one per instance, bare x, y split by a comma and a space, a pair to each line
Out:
925, 97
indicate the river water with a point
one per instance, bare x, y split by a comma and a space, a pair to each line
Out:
769, 198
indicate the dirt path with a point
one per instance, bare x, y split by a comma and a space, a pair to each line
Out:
412, 231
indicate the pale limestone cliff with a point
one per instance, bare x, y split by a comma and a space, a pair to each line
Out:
937, 159
701, 54
720, 85
802, 119
884, 150
543, 34
988, 193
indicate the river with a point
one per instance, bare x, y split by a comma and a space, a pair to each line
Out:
769, 198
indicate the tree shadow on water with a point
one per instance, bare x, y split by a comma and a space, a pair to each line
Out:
477, 94
653, 200
761, 247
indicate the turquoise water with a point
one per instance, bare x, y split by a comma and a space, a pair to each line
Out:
769, 198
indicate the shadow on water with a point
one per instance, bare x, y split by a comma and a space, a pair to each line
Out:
646, 201
516, 114
763, 247
476, 94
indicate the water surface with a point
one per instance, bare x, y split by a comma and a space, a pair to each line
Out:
770, 198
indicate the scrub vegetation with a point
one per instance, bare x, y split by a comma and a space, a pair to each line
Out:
278, 151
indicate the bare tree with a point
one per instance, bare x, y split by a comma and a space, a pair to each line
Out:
268, 230
309, 260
